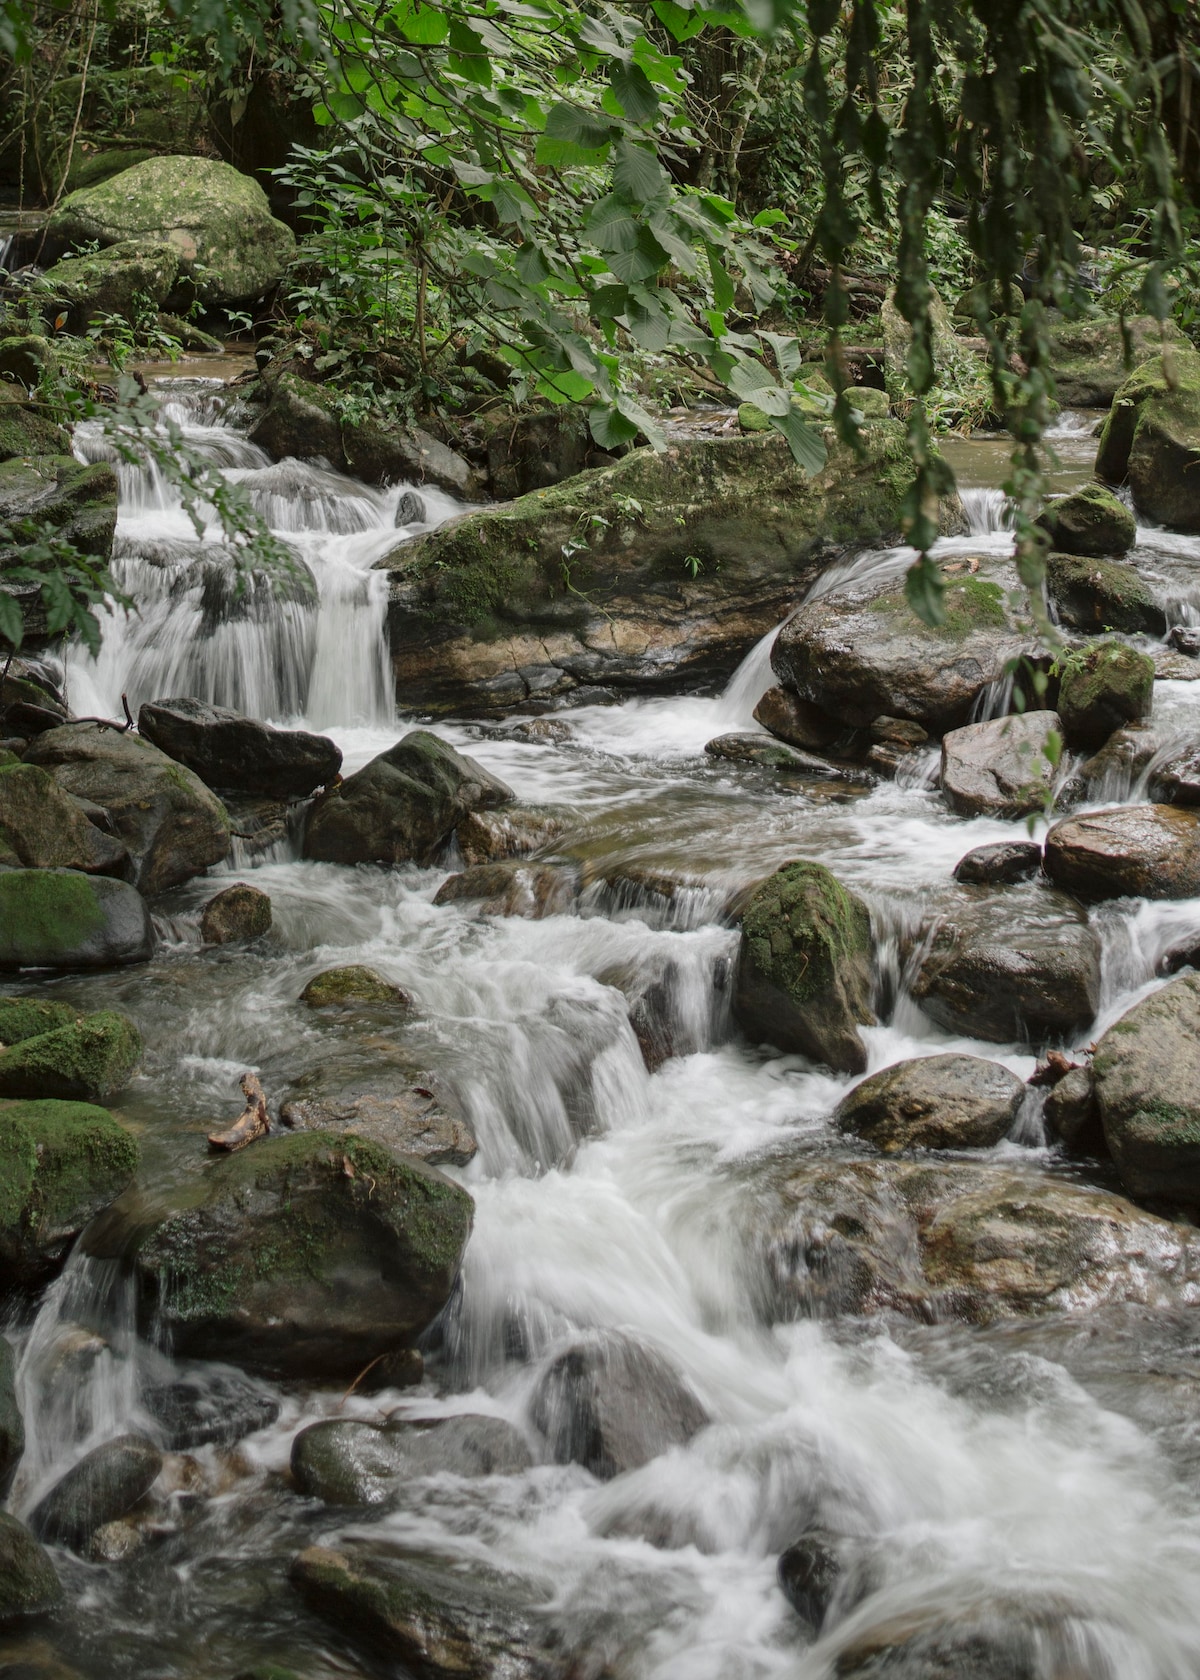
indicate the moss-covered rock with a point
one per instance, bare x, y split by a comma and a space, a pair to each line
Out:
30, 1017
236, 915
1105, 686
1089, 358
307, 1255
28, 1584
25, 434
129, 279
42, 827
230, 247
59, 918
344, 988
1089, 521
1093, 594
63, 1162
804, 974
1151, 439
1146, 1072
25, 357
651, 570
90, 1059
12, 1425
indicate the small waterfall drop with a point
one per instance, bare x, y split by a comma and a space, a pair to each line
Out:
987, 511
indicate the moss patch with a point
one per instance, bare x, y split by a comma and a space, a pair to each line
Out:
91, 1058
352, 984
63, 1161
27, 1017
47, 911
800, 925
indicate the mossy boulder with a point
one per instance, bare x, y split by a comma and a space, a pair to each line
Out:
61, 1163
676, 564
1151, 439
1146, 1073
1093, 594
1105, 686
25, 357
402, 805
42, 481
172, 825
12, 1425
60, 918
30, 1017
235, 916
804, 972
28, 1583
91, 1058
352, 986
129, 279
860, 652
42, 827
1091, 359
1089, 521
26, 434
230, 248
308, 1255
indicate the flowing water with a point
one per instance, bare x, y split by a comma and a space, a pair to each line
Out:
983, 1468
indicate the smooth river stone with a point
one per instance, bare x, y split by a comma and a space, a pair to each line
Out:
1134, 851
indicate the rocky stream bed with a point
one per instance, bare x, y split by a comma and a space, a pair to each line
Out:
604, 1300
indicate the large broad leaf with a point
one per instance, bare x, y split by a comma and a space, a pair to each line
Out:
583, 128
633, 92
637, 173
645, 423
681, 22
565, 387
804, 440
611, 225
646, 259
609, 427
721, 283
789, 358
924, 590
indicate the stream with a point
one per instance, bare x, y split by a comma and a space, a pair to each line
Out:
1049, 1462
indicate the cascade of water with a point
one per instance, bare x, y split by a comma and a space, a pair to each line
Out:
987, 511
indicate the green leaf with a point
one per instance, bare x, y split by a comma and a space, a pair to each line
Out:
633, 92
12, 624
609, 427
582, 128
804, 440
679, 23
637, 173
721, 282
924, 590
769, 218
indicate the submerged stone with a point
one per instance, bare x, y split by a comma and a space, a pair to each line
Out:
235, 916
103, 1486
28, 1583
353, 986
512, 888
345, 1462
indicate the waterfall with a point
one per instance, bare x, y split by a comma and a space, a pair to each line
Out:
987, 511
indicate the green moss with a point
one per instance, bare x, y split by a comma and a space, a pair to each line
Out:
26, 1017
800, 925
970, 604
90, 1058
25, 434
1156, 1121
352, 984
18, 1163
84, 1156
47, 911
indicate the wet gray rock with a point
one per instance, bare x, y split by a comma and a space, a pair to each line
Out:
1135, 851
435, 1622
173, 826
813, 1572
64, 919
28, 1583
796, 721
1000, 768
410, 509
208, 1404
933, 1102
345, 1462
531, 890
238, 754
1176, 779
401, 806
236, 915
1112, 773
489, 836
12, 1427
1012, 969
1072, 1114
1000, 865
414, 1122
768, 754
1094, 595
804, 969
103, 1486
1151, 439
611, 1404
41, 827
860, 652
306, 1255
1185, 638
1147, 1079
1104, 686
1090, 521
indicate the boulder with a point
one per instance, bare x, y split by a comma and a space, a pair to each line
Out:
354, 987
28, 1584
612, 1404
1016, 1638
302, 419
813, 1573
238, 754
1000, 865
1005, 768
208, 1405
103, 1486
1012, 968
41, 481
768, 754
804, 969
307, 1255
1175, 779
1146, 1070
345, 1462
933, 1102
402, 805
90, 1059
1112, 773
482, 615
62, 1162
532, 890
12, 1425
436, 1623
798, 722
172, 825
413, 1122
235, 916
62, 919
231, 250
41, 827
29, 1017
536, 449
1091, 359
1135, 851
941, 1240
489, 836
123, 280
1151, 439
1072, 1116
860, 651
1094, 595
1104, 686
1089, 521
